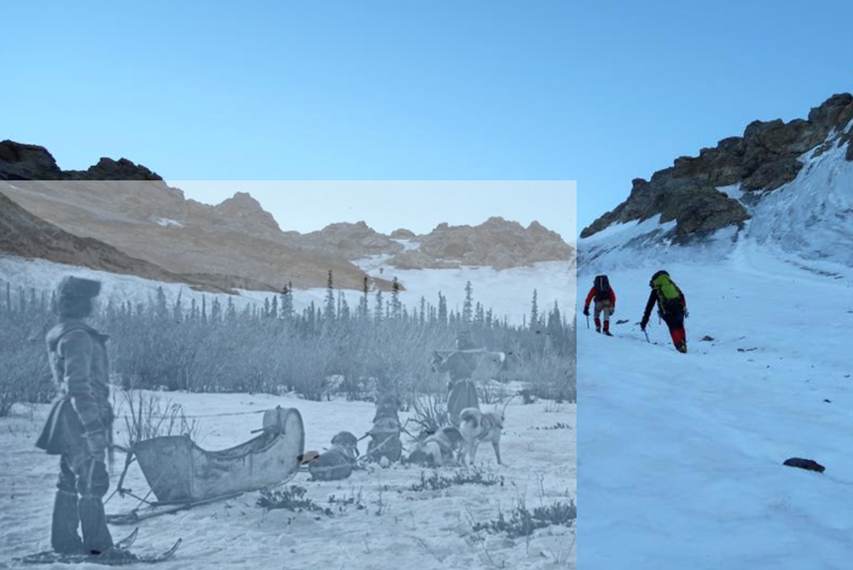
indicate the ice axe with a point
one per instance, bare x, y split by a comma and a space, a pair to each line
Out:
642, 328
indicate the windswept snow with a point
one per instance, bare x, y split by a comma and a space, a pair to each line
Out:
681, 455
625, 232
811, 216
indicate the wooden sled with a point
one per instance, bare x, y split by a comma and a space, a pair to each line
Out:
182, 475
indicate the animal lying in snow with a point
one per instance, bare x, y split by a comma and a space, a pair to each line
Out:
436, 449
338, 461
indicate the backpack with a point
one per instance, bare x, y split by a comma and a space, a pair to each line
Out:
668, 294
602, 288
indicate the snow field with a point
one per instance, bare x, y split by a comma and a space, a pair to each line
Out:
681, 455
413, 529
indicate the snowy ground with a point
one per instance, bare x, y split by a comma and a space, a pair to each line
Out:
399, 528
681, 455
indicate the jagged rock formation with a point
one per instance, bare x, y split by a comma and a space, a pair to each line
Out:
765, 158
353, 241
237, 244
32, 162
496, 242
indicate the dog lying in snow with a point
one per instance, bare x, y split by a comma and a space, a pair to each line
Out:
338, 461
475, 427
438, 448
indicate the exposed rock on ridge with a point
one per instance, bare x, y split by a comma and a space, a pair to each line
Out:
763, 159
496, 242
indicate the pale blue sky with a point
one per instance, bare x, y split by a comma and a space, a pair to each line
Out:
598, 92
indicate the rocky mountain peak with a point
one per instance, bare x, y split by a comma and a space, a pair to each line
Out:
765, 158
402, 233
496, 242
244, 210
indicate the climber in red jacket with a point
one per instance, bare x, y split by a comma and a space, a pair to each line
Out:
605, 302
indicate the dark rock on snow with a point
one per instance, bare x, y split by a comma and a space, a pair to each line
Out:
808, 464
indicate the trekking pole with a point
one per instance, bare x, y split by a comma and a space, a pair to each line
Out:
587, 321
647, 336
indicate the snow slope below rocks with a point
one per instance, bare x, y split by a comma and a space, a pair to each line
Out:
681, 455
810, 217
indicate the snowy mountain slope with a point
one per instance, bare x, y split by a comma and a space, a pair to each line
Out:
811, 216
681, 455
787, 184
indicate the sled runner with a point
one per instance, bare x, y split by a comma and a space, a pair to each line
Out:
51, 557
182, 475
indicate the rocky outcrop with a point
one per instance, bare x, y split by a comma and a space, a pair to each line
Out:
243, 211
353, 241
765, 158
27, 162
109, 169
20, 161
497, 243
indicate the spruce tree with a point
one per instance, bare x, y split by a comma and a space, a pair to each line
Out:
468, 305
329, 306
363, 310
178, 310
534, 312
378, 310
287, 302
274, 307
160, 309
395, 299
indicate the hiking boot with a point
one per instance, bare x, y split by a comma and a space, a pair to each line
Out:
598, 330
682, 347
606, 332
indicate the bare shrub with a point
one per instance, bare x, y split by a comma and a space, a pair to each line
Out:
430, 412
148, 418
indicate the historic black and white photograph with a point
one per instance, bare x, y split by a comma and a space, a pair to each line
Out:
187, 381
